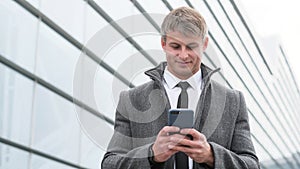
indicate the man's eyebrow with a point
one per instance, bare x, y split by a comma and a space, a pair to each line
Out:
175, 43
192, 44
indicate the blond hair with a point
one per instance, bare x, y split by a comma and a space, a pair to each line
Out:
185, 20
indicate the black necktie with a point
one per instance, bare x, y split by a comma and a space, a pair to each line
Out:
181, 159
183, 97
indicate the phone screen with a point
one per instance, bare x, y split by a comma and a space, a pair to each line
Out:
182, 118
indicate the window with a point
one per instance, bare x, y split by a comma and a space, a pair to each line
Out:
56, 59
56, 127
11, 157
15, 106
18, 32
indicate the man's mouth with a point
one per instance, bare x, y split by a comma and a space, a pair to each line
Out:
183, 62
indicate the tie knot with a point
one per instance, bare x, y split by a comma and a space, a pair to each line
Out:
183, 85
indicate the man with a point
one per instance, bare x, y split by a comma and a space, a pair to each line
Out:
221, 134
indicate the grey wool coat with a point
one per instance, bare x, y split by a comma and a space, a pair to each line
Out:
221, 115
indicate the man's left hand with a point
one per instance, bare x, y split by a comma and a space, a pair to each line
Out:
198, 149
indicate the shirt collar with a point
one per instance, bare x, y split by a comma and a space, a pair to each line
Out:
171, 80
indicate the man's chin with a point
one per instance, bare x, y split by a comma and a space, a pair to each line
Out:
185, 69
185, 73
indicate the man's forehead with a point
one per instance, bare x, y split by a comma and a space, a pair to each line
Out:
183, 39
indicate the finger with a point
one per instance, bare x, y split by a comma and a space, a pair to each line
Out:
180, 140
163, 148
176, 137
194, 133
164, 153
168, 129
162, 140
181, 148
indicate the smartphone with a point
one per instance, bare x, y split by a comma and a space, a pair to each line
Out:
182, 118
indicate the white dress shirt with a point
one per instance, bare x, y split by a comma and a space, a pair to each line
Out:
173, 92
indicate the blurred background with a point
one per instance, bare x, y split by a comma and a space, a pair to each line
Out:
63, 64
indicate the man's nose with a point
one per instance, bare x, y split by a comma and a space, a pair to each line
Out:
183, 53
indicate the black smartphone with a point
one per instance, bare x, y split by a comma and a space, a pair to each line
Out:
182, 118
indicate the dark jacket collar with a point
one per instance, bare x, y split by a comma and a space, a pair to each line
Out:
157, 73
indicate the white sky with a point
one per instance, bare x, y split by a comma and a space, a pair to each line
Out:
281, 17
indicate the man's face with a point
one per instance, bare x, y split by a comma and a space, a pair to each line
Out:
183, 53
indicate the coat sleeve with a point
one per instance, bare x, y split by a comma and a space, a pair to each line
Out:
241, 153
120, 151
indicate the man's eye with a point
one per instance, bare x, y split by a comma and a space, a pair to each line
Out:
191, 47
175, 46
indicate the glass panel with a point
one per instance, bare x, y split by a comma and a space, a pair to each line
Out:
96, 87
11, 157
177, 3
18, 32
97, 130
118, 53
152, 45
68, 14
106, 92
260, 152
94, 23
114, 49
127, 60
126, 7
90, 155
15, 106
154, 6
56, 59
38, 162
56, 128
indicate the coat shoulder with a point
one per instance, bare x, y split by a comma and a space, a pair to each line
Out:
139, 96
143, 88
229, 91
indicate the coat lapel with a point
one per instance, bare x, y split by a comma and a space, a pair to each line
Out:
215, 109
210, 105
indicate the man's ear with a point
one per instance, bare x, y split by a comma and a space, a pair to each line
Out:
163, 42
205, 44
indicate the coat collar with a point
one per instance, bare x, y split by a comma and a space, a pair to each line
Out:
156, 73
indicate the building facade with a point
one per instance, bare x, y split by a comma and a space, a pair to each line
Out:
64, 63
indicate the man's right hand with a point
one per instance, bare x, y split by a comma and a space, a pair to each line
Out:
162, 147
